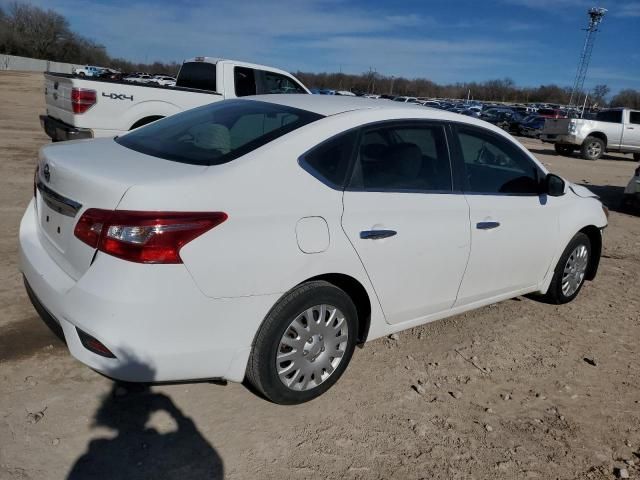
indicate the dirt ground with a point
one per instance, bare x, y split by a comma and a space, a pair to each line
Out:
559, 397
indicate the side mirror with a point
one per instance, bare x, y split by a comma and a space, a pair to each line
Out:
553, 185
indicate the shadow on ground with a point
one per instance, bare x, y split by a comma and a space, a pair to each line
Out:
612, 197
551, 151
138, 451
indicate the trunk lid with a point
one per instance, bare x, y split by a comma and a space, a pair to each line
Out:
75, 176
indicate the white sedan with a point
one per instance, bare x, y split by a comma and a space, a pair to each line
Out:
265, 237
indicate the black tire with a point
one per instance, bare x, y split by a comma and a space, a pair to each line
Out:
555, 293
565, 150
592, 148
82, 74
261, 368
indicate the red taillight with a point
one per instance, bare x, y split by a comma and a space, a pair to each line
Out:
144, 237
82, 99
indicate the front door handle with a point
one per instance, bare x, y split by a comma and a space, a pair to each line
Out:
376, 234
487, 225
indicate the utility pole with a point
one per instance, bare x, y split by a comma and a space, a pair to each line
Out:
391, 89
595, 18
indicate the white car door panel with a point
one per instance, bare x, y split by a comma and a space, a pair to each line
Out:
416, 269
512, 240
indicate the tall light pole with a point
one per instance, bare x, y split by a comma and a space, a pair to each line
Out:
595, 18
391, 89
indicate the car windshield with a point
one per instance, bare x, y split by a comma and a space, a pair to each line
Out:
216, 133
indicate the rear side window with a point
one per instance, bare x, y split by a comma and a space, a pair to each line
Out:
634, 117
275, 83
199, 75
245, 80
494, 165
612, 116
329, 161
398, 158
216, 133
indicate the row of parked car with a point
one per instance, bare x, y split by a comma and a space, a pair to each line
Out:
135, 77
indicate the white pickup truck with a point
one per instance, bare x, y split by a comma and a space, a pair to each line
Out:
613, 130
87, 108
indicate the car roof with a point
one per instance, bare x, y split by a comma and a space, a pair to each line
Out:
332, 105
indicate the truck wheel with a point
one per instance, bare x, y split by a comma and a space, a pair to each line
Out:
592, 148
566, 150
81, 74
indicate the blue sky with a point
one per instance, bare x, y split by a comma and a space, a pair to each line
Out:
531, 41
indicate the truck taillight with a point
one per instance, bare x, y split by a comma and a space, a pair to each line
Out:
144, 237
82, 99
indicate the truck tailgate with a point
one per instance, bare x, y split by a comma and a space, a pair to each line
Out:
57, 93
556, 126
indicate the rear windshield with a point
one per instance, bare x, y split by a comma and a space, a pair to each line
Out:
200, 75
216, 133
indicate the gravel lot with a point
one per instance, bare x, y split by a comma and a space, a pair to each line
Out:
519, 389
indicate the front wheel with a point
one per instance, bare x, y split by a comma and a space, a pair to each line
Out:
570, 271
304, 344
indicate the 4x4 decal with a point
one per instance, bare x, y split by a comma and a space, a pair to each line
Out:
118, 96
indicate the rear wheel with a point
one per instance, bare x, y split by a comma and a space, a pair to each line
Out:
570, 271
563, 149
592, 148
304, 344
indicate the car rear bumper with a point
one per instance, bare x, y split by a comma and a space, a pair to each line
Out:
155, 320
59, 131
560, 138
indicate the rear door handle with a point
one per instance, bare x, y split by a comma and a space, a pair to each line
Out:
487, 225
376, 234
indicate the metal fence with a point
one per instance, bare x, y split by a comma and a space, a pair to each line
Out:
25, 64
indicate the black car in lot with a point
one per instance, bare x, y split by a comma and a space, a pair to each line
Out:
504, 118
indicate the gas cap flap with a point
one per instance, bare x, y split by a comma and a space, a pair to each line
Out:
312, 234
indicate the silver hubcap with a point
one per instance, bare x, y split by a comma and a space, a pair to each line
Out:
574, 270
312, 347
594, 149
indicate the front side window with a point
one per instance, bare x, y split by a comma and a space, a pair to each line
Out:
329, 161
275, 83
216, 133
494, 165
403, 158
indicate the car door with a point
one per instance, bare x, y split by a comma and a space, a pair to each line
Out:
514, 229
631, 131
406, 223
